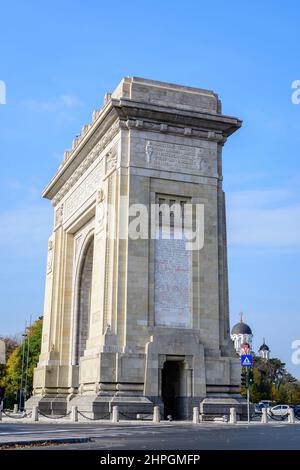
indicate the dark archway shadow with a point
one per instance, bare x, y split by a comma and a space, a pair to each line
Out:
172, 373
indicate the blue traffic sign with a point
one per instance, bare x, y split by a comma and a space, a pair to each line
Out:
246, 360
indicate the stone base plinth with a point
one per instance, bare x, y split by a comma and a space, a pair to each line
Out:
97, 407
48, 404
220, 405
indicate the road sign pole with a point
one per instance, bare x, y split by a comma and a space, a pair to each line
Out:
248, 396
247, 361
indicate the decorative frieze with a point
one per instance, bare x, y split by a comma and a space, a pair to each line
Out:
87, 162
173, 129
81, 194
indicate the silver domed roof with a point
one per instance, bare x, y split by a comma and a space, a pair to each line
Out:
241, 328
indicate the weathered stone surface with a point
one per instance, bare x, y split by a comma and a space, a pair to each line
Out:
119, 310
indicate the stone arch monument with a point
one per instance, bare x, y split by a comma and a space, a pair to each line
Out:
138, 321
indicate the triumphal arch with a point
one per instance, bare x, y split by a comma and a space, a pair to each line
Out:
132, 317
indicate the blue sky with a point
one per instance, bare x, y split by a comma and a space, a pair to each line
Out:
59, 58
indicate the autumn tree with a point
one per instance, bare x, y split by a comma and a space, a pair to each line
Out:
11, 343
12, 378
271, 381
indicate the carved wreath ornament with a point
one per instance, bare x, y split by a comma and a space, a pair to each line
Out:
100, 207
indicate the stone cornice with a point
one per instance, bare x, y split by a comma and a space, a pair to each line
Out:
128, 109
129, 114
91, 135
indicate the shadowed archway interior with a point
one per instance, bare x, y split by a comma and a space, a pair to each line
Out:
84, 299
172, 378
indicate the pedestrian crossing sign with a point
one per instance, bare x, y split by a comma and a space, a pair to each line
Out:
246, 360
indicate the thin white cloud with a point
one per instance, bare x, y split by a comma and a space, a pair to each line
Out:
25, 230
268, 219
60, 103
31, 192
70, 101
258, 198
245, 177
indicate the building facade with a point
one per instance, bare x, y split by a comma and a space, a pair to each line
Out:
139, 320
264, 351
242, 337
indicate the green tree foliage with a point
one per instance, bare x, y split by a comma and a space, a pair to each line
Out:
271, 381
279, 394
11, 343
13, 370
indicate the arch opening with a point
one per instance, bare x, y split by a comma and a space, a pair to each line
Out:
174, 388
84, 288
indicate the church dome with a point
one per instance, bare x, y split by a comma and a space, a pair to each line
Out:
264, 347
241, 328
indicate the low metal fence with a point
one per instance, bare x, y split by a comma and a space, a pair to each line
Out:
90, 418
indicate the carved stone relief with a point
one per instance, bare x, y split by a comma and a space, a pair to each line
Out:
177, 157
59, 215
87, 187
50, 256
100, 210
111, 160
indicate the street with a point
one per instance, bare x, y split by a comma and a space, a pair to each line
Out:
164, 436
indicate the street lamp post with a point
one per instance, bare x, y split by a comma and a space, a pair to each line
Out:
22, 372
27, 361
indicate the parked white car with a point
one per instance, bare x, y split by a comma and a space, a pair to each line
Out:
279, 410
267, 403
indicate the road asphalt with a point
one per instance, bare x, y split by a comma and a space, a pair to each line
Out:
148, 436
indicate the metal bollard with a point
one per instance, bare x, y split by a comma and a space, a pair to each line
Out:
35, 413
115, 414
232, 418
74, 413
15, 408
156, 414
196, 415
264, 416
291, 416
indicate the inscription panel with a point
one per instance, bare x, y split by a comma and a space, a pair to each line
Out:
183, 158
172, 291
